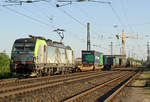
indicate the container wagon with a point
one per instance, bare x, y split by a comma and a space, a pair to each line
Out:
111, 62
91, 60
108, 62
116, 62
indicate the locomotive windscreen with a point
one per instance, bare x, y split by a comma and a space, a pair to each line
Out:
24, 46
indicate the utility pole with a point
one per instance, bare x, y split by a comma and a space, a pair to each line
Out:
120, 51
111, 48
88, 37
148, 52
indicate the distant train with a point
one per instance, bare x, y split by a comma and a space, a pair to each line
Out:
36, 56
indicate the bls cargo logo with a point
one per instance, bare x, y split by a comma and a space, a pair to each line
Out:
89, 58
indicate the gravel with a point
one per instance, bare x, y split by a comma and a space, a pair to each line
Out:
61, 92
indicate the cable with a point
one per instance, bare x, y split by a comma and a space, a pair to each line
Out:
63, 11
117, 16
125, 15
33, 13
34, 19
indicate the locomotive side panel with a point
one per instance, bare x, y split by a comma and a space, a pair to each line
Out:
51, 56
40, 52
70, 56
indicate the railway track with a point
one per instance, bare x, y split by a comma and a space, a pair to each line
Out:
101, 92
66, 88
112, 96
10, 91
15, 81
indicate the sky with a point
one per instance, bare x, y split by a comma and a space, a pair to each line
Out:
106, 20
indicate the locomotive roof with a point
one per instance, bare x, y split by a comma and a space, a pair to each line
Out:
25, 39
48, 41
91, 51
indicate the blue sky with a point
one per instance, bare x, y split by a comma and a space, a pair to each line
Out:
41, 18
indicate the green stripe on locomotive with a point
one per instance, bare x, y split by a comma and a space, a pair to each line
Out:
38, 43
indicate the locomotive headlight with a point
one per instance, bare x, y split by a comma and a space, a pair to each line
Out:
34, 59
12, 60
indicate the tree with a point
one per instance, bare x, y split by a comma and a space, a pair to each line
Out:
4, 63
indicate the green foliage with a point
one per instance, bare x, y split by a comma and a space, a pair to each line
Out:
4, 63
135, 60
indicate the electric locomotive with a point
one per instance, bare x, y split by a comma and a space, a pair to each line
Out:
36, 56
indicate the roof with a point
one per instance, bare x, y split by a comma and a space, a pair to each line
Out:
119, 56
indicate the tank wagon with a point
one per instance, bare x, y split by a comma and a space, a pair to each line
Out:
91, 60
36, 56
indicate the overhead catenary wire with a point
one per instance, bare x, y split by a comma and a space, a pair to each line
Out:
125, 15
116, 14
89, 17
48, 18
73, 18
29, 17
34, 14
66, 13
41, 11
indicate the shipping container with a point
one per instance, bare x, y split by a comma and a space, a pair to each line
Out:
92, 59
109, 62
116, 62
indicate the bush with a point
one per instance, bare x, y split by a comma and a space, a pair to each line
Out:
4, 64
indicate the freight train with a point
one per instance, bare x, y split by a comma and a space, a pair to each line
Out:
36, 56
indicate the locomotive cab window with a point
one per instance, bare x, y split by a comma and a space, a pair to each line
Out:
24, 46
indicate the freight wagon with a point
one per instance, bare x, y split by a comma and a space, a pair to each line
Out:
36, 56
91, 60
108, 62
113, 61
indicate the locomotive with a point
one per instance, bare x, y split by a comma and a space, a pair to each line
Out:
37, 56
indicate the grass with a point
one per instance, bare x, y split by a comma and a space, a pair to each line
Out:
147, 90
147, 76
5, 72
7, 75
